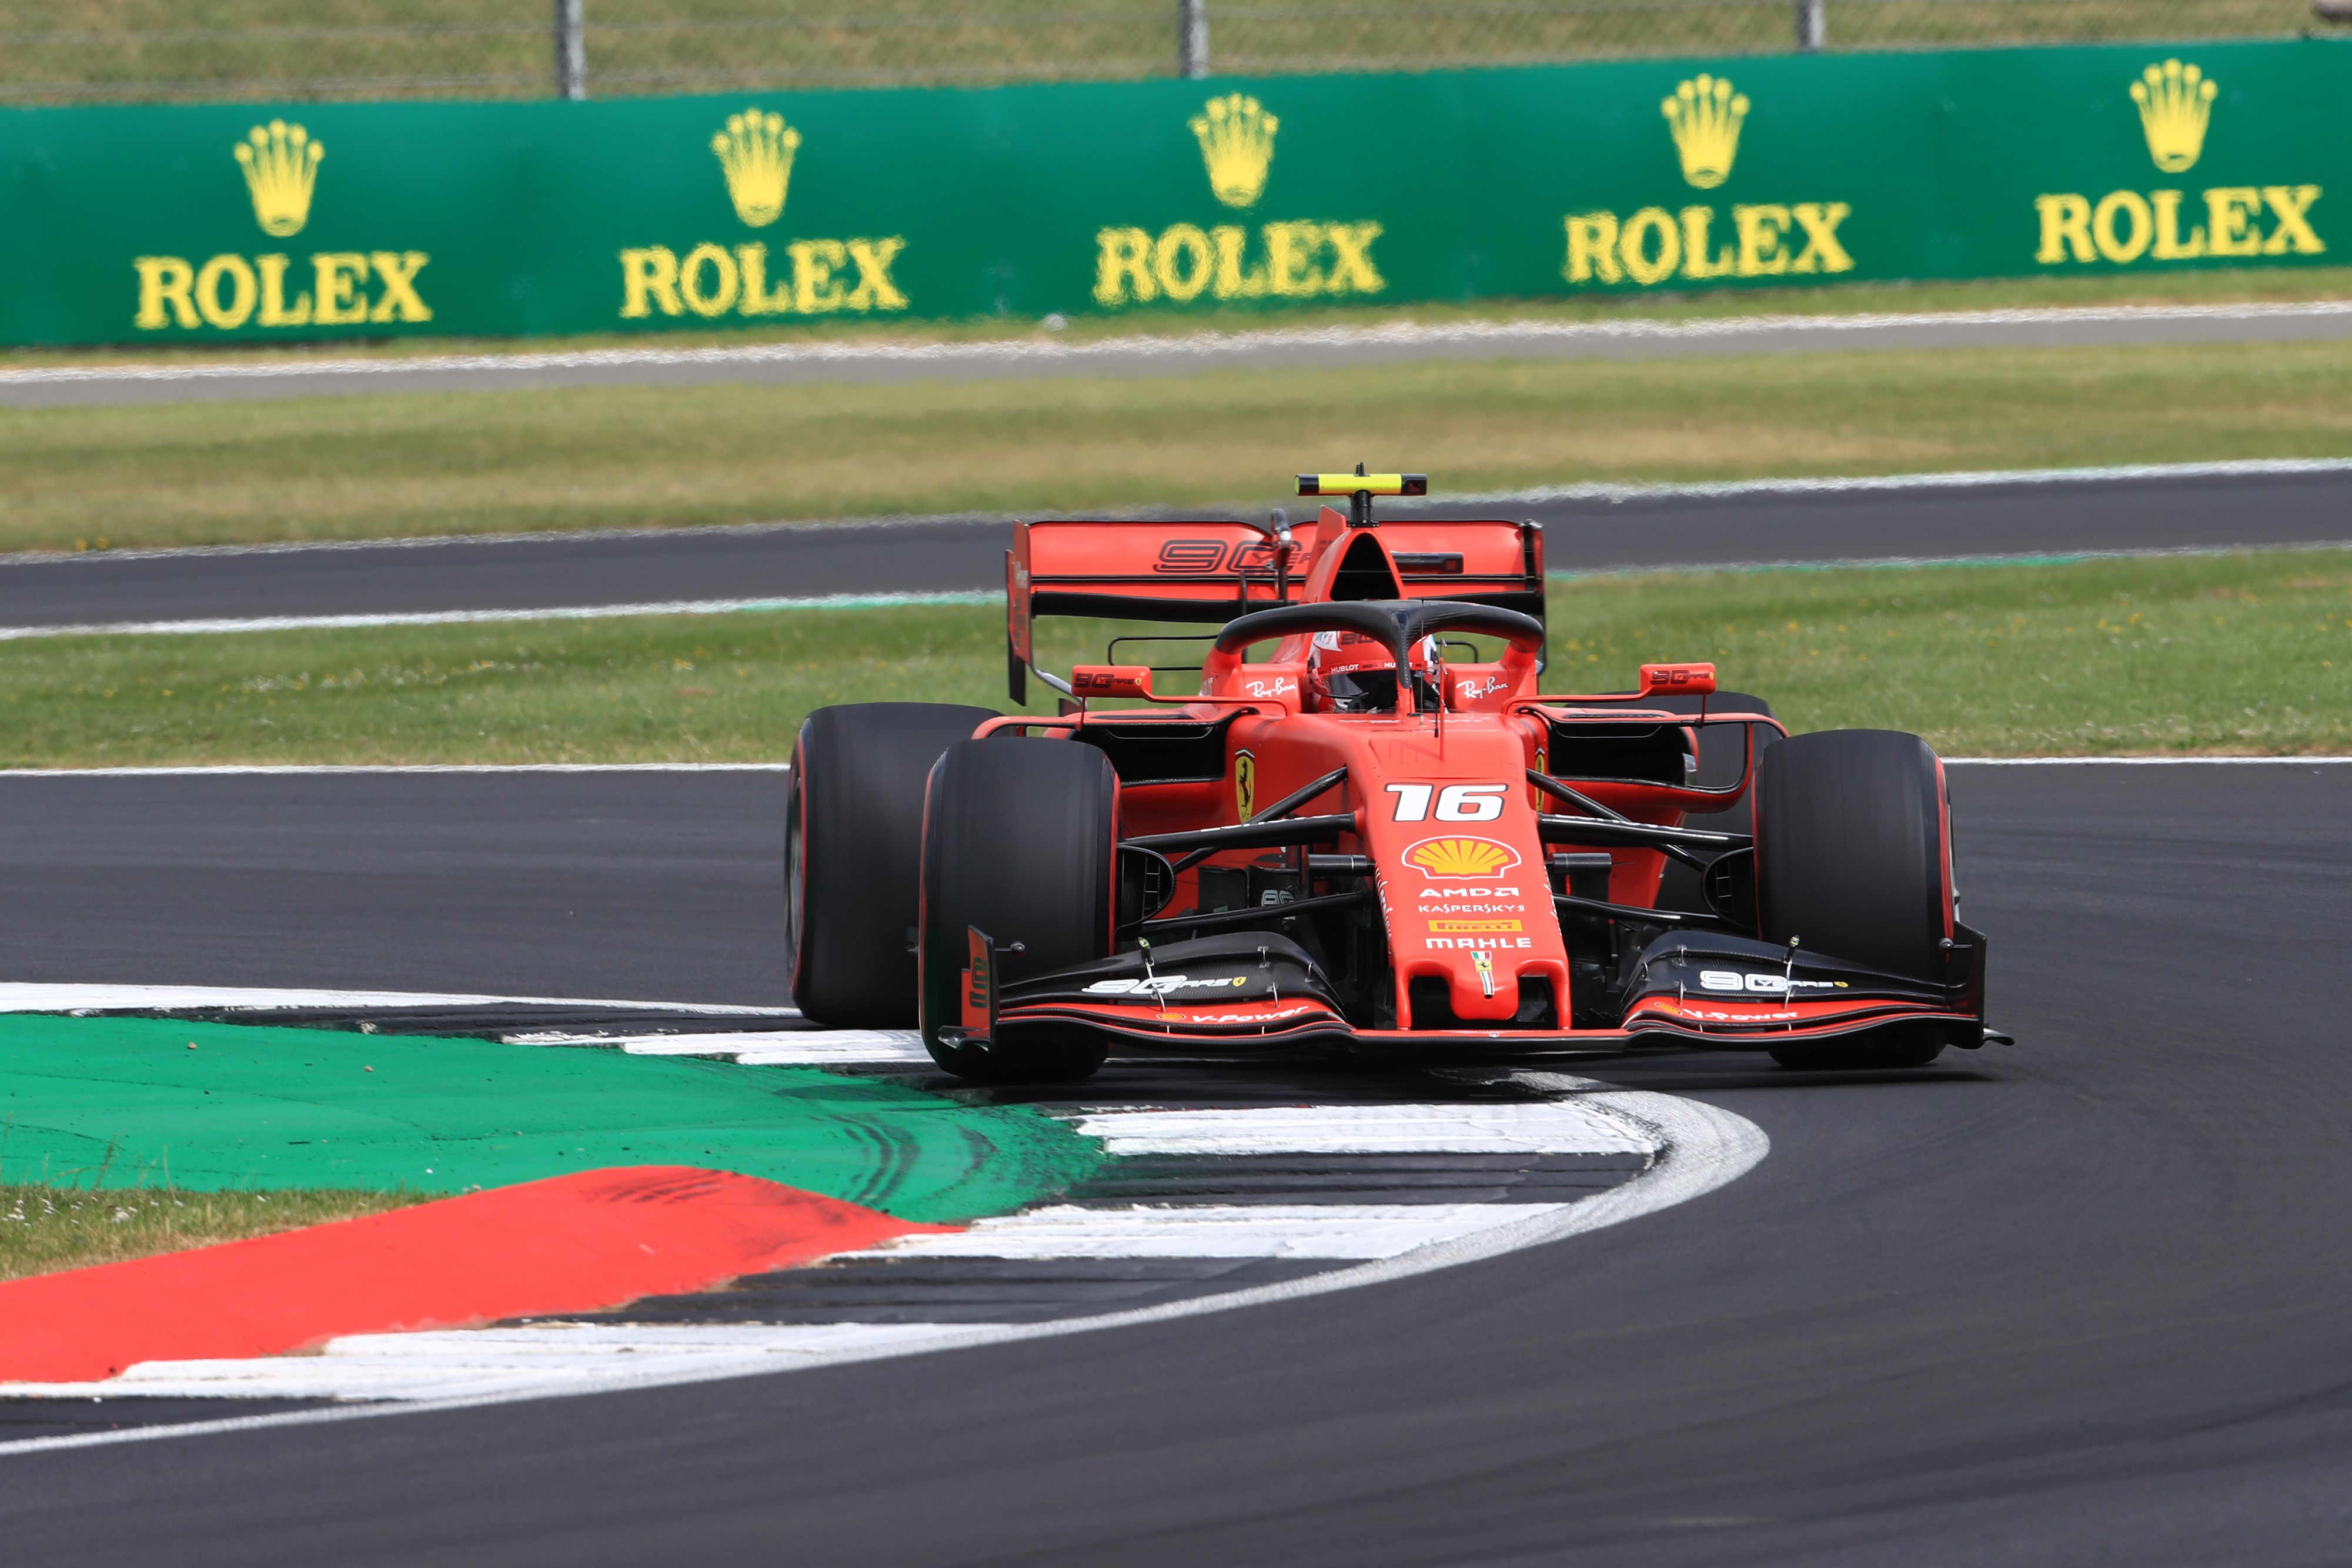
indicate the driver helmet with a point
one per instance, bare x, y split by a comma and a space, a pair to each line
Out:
1348, 671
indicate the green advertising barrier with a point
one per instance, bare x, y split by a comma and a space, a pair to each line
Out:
180, 225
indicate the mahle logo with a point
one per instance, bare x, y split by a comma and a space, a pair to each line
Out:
1183, 262
1236, 137
2175, 101
1705, 116
228, 292
2176, 107
280, 166
756, 153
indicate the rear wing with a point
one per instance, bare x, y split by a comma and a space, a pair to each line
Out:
1206, 573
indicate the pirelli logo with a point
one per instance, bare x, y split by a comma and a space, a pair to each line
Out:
1473, 927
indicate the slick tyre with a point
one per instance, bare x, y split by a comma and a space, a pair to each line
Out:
1020, 839
1854, 859
853, 856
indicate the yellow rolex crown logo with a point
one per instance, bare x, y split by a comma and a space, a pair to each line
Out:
1705, 116
756, 153
2175, 102
1236, 144
280, 164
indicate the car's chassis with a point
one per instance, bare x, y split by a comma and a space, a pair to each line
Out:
1456, 866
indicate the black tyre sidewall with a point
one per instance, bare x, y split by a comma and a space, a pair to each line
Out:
1020, 839
1851, 849
853, 856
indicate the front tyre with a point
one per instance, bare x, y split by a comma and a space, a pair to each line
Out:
1020, 839
853, 856
1854, 859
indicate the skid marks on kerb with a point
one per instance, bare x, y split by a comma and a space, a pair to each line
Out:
764, 1048
1623, 1153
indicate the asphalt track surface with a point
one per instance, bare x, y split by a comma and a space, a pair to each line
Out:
1307, 348
2076, 1302
1874, 522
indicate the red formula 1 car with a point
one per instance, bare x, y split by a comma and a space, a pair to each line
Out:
1369, 830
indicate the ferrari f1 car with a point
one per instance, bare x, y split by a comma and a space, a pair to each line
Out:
1369, 830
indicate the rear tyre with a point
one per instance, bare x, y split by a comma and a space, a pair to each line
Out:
1853, 860
1020, 839
853, 856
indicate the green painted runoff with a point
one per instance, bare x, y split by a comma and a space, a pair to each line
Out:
125, 1102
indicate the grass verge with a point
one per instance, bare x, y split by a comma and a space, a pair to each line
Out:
2201, 287
628, 457
2242, 652
44, 1229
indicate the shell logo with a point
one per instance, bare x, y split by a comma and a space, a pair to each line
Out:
1461, 857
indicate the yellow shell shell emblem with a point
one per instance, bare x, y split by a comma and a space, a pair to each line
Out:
1461, 857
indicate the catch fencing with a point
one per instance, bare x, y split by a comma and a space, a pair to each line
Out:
159, 51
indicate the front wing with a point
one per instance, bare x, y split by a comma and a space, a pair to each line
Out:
1252, 992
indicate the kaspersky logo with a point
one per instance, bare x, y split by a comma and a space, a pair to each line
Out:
1188, 261
756, 150
1703, 116
231, 291
2175, 103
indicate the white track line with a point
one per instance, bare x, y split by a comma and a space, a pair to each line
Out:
537, 537
237, 627
537, 1361
1962, 480
1205, 1230
1699, 1147
1197, 347
471, 617
21, 996
764, 1048
2256, 467
1555, 1127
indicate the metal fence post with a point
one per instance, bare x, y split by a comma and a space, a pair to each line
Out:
571, 50
1812, 25
1191, 37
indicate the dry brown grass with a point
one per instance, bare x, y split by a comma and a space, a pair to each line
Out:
45, 1229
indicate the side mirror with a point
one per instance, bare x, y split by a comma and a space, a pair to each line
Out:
1115, 681
1678, 680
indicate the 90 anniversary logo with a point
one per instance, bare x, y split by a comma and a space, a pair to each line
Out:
1288, 260
2176, 105
818, 277
1763, 239
280, 163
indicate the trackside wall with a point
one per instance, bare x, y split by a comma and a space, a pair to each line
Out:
337, 221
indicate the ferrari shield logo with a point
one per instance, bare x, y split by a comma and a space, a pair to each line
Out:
1245, 785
